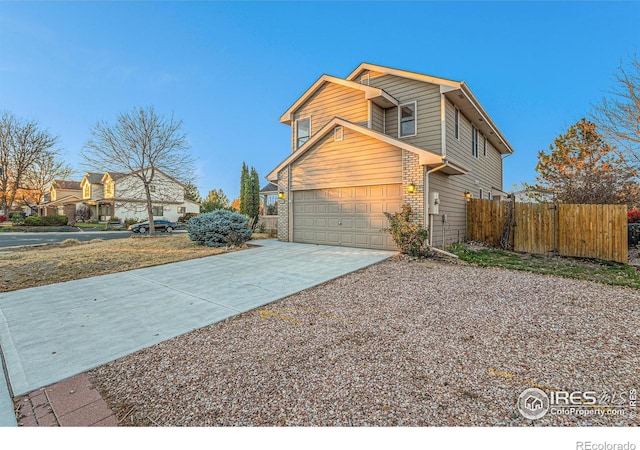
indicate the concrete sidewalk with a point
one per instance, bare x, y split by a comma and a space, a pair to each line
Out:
51, 333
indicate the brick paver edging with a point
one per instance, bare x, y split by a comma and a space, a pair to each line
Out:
70, 403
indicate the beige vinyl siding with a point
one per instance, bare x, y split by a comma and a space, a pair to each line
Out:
330, 101
377, 118
486, 170
427, 96
357, 160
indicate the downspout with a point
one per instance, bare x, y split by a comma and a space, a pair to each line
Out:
290, 201
428, 220
443, 125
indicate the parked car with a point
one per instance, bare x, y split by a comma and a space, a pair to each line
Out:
159, 224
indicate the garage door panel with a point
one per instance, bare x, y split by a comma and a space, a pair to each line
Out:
346, 216
346, 208
333, 222
333, 208
394, 191
377, 192
361, 208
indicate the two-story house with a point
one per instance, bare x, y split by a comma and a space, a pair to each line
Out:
122, 195
113, 194
62, 197
378, 139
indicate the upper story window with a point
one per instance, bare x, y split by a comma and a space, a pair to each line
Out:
86, 191
474, 141
456, 123
407, 119
484, 146
303, 131
109, 189
338, 133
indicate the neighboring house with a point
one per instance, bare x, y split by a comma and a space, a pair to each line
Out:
113, 194
380, 138
61, 189
269, 216
62, 198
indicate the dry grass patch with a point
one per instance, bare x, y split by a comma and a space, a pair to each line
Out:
71, 259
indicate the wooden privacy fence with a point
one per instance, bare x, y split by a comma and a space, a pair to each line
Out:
587, 231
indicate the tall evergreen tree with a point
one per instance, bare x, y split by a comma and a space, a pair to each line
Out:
244, 179
253, 208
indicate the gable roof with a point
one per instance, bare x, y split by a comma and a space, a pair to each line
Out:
64, 184
376, 95
426, 157
64, 200
402, 73
113, 175
92, 177
270, 188
458, 93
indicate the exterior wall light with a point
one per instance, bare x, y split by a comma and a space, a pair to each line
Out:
281, 195
467, 195
411, 188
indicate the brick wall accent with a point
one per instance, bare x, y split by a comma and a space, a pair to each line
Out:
412, 172
283, 205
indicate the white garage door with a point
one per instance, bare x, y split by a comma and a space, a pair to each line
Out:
351, 216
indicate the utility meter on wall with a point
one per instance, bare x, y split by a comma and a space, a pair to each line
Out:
434, 203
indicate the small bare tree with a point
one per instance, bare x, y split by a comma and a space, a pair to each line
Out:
24, 148
44, 170
141, 143
618, 116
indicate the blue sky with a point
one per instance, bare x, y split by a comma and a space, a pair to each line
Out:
229, 70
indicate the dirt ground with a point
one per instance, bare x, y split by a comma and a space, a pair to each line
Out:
27, 267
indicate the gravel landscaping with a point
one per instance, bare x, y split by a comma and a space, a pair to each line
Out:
401, 343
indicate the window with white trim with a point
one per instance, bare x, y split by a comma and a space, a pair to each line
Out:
474, 142
157, 211
456, 123
182, 209
338, 133
303, 131
407, 120
484, 146
481, 196
489, 196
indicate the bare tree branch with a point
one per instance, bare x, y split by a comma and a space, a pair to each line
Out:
140, 143
618, 115
25, 151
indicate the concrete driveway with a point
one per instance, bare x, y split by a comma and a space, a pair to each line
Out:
50, 333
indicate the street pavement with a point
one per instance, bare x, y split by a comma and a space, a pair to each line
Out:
12, 239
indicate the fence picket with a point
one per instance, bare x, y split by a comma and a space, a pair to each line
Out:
588, 231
